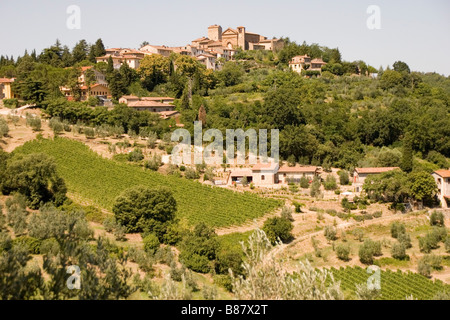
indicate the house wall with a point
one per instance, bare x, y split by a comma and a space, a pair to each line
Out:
100, 91
264, 178
359, 177
443, 185
295, 176
215, 33
6, 91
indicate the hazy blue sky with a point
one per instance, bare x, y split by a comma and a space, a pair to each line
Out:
414, 31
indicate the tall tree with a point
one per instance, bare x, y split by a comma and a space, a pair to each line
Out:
80, 51
407, 155
91, 55
99, 48
401, 66
202, 115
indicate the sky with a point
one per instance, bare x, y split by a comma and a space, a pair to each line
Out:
414, 31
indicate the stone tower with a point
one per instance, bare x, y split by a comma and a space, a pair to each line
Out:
241, 38
215, 32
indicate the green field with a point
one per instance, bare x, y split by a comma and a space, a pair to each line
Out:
394, 285
100, 181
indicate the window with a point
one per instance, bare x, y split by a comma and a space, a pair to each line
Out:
263, 177
284, 175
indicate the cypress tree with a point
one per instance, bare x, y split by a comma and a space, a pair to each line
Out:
407, 156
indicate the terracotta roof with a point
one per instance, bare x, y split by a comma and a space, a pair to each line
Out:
297, 169
200, 39
97, 85
375, 170
149, 104
156, 98
264, 166
206, 55
119, 57
241, 173
6, 80
130, 97
443, 173
86, 68
318, 61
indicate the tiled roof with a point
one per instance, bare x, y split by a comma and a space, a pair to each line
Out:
286, 169
200, 39
318, 61
6, 80
375, 170
241, 173
443, 173
150, 104
156, 98
265, 166
130, 97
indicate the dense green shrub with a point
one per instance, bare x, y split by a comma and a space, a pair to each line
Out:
35, 176
278, 228
151, 243
344, 178
33, 244
304, 182
11, 103
142, 209
191, 174
398, 251
228, 260
397, 228
437, 219
343, 252
136, 155
368, 250
153, 163
199, 248
330, 233
330, 183
4, 129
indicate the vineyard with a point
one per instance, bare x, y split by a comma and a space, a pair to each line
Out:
394, 285
100, 181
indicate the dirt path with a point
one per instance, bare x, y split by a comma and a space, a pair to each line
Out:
249, 226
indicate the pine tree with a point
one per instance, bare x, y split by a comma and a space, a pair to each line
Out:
91, 56
99, 50
80, 51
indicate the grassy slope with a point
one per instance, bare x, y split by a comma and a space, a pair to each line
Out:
100, 180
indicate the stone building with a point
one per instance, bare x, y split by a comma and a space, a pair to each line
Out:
236, 38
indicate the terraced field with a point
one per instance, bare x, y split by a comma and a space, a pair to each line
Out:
100, 181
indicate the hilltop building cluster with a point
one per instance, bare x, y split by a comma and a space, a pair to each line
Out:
207, 50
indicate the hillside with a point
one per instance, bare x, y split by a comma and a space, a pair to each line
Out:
99, 181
